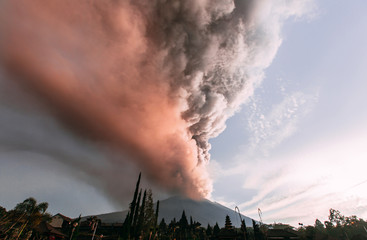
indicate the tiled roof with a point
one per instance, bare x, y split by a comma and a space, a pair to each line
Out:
63, 217
44, 227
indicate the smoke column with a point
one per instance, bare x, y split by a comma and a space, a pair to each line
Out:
154, 79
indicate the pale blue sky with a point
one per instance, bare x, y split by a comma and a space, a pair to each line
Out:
321, 67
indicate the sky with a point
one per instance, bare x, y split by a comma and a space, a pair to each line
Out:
301, 138
295, 140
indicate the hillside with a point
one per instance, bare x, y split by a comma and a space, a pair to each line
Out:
203, 211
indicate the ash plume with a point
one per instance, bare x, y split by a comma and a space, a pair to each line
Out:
153, 79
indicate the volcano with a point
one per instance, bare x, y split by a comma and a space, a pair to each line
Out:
204, 211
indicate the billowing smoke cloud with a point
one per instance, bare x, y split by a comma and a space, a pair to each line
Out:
154, 79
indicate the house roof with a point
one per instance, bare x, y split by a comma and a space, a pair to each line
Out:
63, 217
44, 227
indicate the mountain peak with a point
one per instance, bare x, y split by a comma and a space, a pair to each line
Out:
203, 211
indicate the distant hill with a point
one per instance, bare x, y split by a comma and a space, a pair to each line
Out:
203, 211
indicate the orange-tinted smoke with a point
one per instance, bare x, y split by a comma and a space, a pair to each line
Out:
93, 67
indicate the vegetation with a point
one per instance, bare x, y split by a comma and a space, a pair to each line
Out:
24, 221
20, 222
141, 220
337, 227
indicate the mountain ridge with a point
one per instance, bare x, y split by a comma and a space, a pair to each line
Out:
203, 211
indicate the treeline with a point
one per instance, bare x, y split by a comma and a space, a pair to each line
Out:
184, 229
25, 222
337, 227
141, 223
135, 227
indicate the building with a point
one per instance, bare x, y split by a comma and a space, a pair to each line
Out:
60, 221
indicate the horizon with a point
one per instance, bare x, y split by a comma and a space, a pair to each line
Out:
256, 104
192, 213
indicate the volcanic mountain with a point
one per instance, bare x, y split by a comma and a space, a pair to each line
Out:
204, 211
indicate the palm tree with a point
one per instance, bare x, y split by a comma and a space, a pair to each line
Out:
28, 215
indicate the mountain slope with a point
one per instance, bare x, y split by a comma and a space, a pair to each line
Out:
203, 211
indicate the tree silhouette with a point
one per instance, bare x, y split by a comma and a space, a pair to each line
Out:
216, 230
209, 230
228, 223
163, 227
128, 225
257, 233
156, 216
140, 225
149, 221
133, 230
183, 221
26, 216
244, 229
134, 203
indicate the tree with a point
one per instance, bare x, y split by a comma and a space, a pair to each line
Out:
149, 221
129, 220
3, 216
216, 230
228, 223
335, 217
26, 216
310, 232
126, 227
75, 228
163, 226
244, 229
183, 221
173, 223
140, 225
136, 216
156, 215
209, 230
257, 233
319, 227
183, 224
134, 203
2, 211
172, 227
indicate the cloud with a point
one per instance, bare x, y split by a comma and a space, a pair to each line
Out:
151, 82
269, 128
262, 167
300, 185
34, 175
